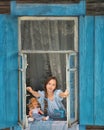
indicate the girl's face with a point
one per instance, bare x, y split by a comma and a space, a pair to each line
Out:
51, 86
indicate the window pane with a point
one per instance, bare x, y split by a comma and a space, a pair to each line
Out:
47, 35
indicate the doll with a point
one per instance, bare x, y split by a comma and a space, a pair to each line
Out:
35, 113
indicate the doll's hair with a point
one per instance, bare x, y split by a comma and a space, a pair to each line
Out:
46, 95
33, 100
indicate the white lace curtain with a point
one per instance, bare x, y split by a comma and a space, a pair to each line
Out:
47, 35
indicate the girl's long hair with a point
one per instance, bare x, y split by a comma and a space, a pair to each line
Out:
46, 94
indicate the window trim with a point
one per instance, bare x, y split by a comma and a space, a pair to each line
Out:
67, 52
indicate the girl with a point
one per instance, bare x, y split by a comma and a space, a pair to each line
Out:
35, 111
51, 98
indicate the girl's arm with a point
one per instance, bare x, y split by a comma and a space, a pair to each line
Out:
34, 93
64, 94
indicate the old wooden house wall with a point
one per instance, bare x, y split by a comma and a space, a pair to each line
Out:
91, 57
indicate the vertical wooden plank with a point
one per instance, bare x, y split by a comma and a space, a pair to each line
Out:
12, 70
9, 71
99, 70
2, 71
86, 70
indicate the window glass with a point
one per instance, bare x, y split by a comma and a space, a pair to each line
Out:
47, 35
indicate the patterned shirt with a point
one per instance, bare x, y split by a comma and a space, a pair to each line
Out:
55, 104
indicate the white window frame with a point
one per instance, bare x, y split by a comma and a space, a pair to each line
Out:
68, 54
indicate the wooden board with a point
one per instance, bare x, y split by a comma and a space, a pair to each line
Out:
86, 67
95, 7
4, 6
47, 1
8, 71
95, 128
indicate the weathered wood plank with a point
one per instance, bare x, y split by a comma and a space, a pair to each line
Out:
12, 70
47, 1
48, 9
95, 7
86, 65
99, 70
8, 71
2, 71
4, 6
95, 128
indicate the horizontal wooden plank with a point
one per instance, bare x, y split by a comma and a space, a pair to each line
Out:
47, 1
48, 9
95, 128
95, 7
4, 1
4, 6
95, 1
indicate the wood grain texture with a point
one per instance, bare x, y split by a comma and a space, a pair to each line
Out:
4, 6
86, 67
95, 128
2, 72
95, 7
48, 9
99, 70
47, 1
8, 71
91, 77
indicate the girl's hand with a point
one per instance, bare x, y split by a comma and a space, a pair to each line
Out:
29, 89
34, 93
66, 93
